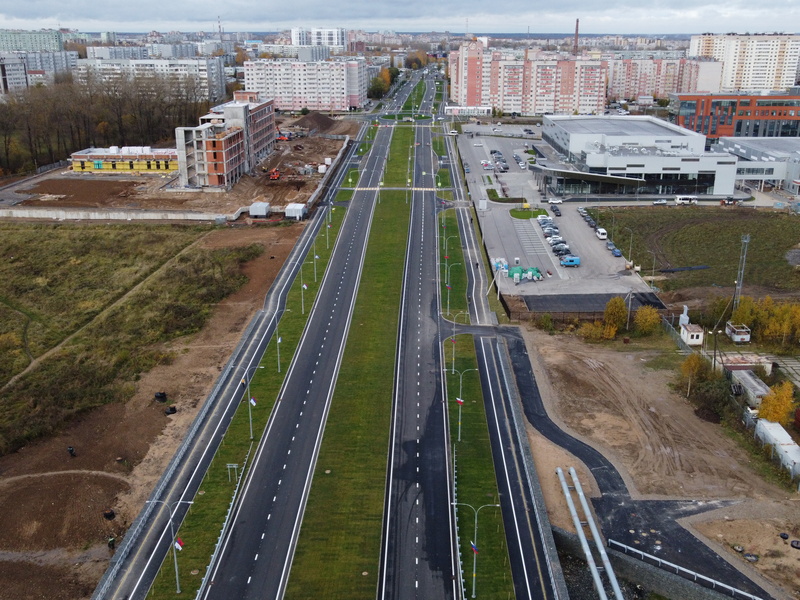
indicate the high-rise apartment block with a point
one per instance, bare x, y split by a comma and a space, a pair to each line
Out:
634, 77
229, 142
334, 85
31, 41
319, 36
207, 73
533, 84
117, 52
751, 62
13, 75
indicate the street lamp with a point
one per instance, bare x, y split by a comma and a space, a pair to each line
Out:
653, 272
630, 246
172, 534
246, 381
278, 337
460, 398
474, 542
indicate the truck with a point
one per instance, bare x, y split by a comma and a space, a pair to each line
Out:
570, 261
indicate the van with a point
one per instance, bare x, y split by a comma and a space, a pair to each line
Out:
601, 233
570, 261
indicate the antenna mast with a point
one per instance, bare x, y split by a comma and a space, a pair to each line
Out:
575, 43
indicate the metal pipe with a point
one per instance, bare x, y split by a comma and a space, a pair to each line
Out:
596, 535
598, 584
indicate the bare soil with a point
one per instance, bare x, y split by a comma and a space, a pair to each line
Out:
53, 534
608, 398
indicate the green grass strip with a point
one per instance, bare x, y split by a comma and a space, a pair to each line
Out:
401, 157
476, 484
337, 554
200, 529
439, 145
452, 263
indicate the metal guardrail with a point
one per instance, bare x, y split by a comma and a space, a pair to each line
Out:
685, 573
132, 535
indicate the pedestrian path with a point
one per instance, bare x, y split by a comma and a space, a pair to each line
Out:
531, 242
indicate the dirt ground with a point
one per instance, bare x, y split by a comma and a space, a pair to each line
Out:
53, 534
298, 161
609, 399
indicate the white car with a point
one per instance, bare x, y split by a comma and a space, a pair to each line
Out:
555, 201
478, 144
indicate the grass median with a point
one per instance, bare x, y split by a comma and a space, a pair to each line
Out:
452, 267
339, 546
201, 527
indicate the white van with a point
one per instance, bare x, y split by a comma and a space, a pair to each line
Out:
601, 233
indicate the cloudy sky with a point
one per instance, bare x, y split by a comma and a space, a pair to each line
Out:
557, 16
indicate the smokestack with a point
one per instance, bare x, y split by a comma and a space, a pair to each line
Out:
575, 43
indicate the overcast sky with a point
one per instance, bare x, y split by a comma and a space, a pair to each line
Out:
557, 16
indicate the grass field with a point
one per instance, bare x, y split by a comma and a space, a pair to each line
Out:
402, 147
201, 526
452, 266
710, 236
341, 531
475, 482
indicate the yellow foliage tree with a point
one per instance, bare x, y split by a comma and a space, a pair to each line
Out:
647, 320
694, 370
777, 405
615, 313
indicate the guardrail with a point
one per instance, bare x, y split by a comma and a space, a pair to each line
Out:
686, 573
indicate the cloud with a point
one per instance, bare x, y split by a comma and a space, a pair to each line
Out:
624, 16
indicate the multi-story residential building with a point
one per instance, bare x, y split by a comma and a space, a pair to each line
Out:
207, 72
334, 85
737, 115
533, 84
230, 141
13, 74
31, 41
171, 50
320, 36
631, 78
751, 62
47, 63
303, 53
108, 37
117, 52
299, 36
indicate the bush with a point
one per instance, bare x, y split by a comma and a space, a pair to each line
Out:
592, 332
545, 322
647, 320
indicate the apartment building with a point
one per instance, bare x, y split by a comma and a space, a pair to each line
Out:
44, 65
31, 41
334, 85
631, 78
117, 52
738, 115
751, 62
171, 50
13, 74
528, 85
207, 72
303, 53
229, 141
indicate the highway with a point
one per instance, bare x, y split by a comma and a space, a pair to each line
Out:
418, 550
258, 548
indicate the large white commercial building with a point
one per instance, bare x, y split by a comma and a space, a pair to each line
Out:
751, 62
207, 72
631, 155
529, 85
333, 85
773, 161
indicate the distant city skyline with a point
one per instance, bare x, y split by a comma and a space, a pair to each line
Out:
644, 17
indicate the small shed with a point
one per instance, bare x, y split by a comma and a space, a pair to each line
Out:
782, 445
692, 334
737, 332
296, 211
259, 210
754, 389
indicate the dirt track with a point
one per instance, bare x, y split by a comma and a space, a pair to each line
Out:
609, 399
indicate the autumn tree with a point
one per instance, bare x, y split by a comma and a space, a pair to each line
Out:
647, 320
616, 313
377, 88
695, 369
777, 405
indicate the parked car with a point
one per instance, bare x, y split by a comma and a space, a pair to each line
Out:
590, 222
556, 211
610, 245
555, 201
616, 252
466, 169
478, 145
556, 239
581, 211
660, 202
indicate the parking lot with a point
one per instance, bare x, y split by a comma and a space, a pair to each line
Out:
600, 273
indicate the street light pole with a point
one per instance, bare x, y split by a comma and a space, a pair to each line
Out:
447, 283
172, 534
630, 247
653, 272
475, 540
460, 398
246, 381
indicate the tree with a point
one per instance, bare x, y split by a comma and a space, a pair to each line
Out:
377, 88
695, 369
616, 313
304, 111
647, 320
777, 405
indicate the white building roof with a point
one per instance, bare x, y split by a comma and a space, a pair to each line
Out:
619, 126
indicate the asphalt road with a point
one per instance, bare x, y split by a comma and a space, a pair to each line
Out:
418, 552
258, 547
